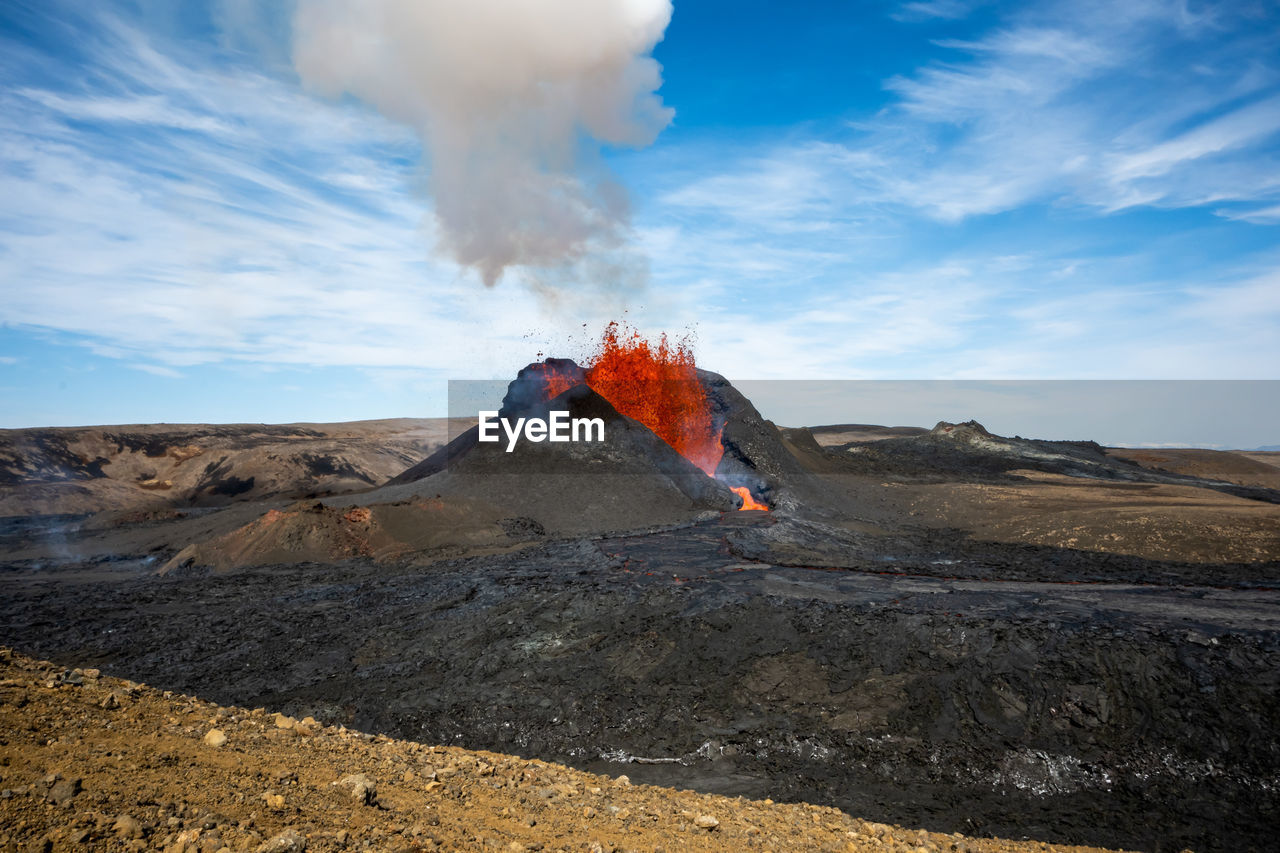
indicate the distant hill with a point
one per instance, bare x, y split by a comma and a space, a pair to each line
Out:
836, 434
87, 469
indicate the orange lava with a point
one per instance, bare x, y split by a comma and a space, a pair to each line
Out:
658, 386
557, 381
748, 502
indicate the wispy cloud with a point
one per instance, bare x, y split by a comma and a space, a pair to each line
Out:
1101, 104
157, 370
893, 249
177, 208
1056, 106
141, 109
1261, 215
201, 211
929, 9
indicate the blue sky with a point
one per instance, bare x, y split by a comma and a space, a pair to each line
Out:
922, 190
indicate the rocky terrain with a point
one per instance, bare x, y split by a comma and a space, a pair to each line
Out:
1134, 715
941, 628
1248, 468
835, 435
145, 467
89, 762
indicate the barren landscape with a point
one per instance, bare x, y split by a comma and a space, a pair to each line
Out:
93, 762
614, 426
940, 628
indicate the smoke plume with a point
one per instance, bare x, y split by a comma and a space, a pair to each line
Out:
513, 100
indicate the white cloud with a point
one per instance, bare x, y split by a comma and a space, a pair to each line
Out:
247, 221
1058, 108
157, 370
1261, 215
143, 109
862, 294
1063, 103
1234, 130
215, 213
930, 9
810, 258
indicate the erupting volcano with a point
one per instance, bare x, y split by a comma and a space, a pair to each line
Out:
658, 386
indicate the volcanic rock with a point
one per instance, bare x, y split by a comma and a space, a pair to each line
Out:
755, 454
476, 497
315, 531
1240, 467
127, 827
970, 432
471, 497
64, 791
363, 789
289, 841
631, 479
208, 814
133, 471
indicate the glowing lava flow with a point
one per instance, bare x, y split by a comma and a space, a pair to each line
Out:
748, 502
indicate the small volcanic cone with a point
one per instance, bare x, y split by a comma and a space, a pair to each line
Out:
313, 531
631, 479
543, 380
659, 385
653, 385
708, 451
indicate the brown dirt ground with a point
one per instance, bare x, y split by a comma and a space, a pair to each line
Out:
78, 470
310, 530
96, 763
1248, 468
834, 436
1153, 521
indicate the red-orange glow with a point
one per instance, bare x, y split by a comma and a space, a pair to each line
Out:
748, 502
658, 386
557, 380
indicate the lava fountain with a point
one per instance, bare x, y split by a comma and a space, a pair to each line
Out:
658, 386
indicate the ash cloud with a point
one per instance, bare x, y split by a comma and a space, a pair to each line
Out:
513, 100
